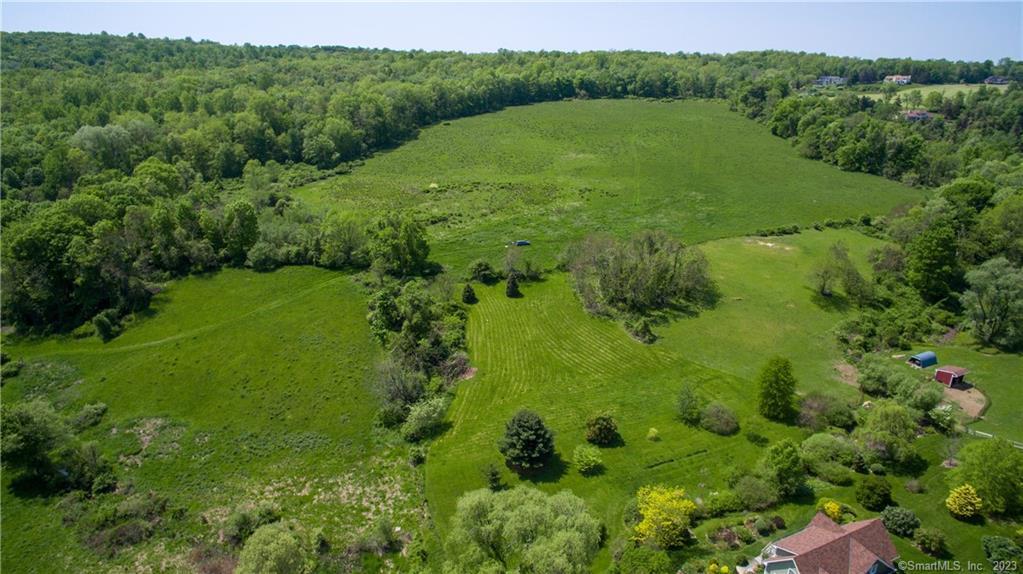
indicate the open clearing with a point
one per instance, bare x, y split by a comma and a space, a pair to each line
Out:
554, 172
241, 388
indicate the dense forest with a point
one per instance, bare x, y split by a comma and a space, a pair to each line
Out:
120, 154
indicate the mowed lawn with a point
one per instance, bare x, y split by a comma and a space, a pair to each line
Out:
554, 172
249, 387
545, 353
769, 307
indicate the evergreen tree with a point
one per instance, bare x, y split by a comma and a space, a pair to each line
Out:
512, 288
777, 389
527, 442
469, 295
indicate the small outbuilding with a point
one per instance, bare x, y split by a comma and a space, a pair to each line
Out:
925, 359
950, 376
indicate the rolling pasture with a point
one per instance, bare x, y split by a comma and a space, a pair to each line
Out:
553, 172
240, 388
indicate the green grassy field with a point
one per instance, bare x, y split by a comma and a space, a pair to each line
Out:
253, 387
543, 352
554, 172
250, 387
946, 90
768, 307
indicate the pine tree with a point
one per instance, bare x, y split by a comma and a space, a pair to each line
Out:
512, 288
469, 294
777, 389
527, 442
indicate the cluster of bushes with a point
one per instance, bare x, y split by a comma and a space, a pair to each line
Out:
633, 278
744, 531
110, 522
419, 323
695, 410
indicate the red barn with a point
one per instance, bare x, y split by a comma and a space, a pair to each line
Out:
950, 376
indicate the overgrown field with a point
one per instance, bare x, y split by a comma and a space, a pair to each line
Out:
240, 388
551, 173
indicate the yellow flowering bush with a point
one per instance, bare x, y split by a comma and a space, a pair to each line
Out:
667, 515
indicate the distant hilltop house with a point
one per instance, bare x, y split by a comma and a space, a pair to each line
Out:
898, 80
917, 115
925, 359
996, 80
826, 547
830, 81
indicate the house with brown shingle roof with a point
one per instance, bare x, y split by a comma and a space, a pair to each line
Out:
826, 547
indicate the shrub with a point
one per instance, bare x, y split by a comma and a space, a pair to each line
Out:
416, 455
999, 551
763, 526
89, 416
930, 541
587, 459
756, 493
818, 411
527, 442
824, 448
469, 295
963, 502
900, 521
833, 510
722, 503
653, 435
667, 515
481, 270
690, 405
107, 324
644, 560
874, 492
601, 429
834, 473
719, 419
878, 469
492, 475
424, 418
243, 522
275, 549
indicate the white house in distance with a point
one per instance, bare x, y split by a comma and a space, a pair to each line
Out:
898, 80
826, 547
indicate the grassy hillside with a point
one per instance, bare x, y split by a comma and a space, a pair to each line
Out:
247, 387
768, 307
553, 172
544, 353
